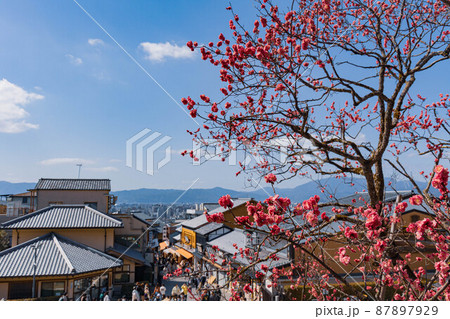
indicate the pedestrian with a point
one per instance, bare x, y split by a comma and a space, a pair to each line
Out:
147, 294
106, 296
157, 290
205, 295
63, 297
135, 296
176, 290
184, 287
163, 289
83, 297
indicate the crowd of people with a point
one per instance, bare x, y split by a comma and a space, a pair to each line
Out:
144, 292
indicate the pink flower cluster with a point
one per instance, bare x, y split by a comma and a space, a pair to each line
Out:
243, 220
313, 210
373, 220
215, 218
416, 200
350, 233
421, 227
440, 179
270, 178
343, 257
226, 202
277, 204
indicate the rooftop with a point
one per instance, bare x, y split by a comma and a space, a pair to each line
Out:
195, 223
73, 184
64, 216
55, 256
208, 228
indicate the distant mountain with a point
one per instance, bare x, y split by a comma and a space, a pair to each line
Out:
297, 194
14, 188
168, 196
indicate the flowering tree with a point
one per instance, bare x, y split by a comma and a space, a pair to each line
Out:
332, 84
390, 257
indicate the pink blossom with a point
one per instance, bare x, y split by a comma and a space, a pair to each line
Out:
416, 200
215, 218
373, 220
270, 178
226, 202
350, 233
343, 258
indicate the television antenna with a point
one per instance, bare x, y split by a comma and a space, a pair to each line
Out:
79, 170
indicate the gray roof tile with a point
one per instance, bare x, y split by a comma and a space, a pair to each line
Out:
64, 216
56, 256
195, 223
73, 184
208, 228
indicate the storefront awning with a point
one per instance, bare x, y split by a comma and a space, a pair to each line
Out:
162, 245
185, 253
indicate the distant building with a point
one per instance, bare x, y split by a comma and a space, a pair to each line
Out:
14, 205
91, 192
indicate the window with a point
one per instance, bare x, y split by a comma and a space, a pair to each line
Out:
49, 289
122, 275
128, 241
24, 200
414, 218
2, 209
20, 290
91, 204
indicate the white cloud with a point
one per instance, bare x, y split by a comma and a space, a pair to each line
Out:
95, 42
74, 60
158, 51
12, 115
103, 169
65, 160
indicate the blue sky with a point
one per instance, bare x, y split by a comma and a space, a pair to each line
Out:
85, 97
70, 95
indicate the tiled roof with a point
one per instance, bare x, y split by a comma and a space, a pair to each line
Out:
208, 228
55, 256
226, 242
131, 253
73, 184
196, 222
231, 243
143, 217
64, 216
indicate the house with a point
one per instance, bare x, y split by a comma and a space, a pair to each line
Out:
14, 205
90, 192
136, 241
68, 245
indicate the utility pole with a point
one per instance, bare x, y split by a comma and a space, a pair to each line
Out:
79, 170
35, 247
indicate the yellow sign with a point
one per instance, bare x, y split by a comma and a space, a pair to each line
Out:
188, 237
